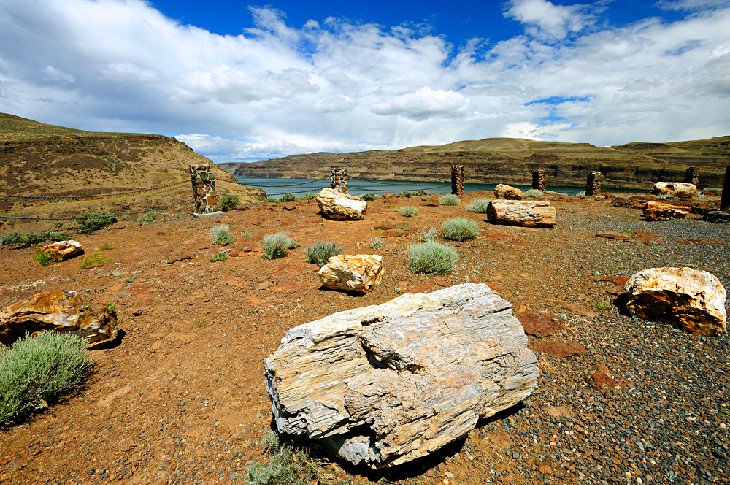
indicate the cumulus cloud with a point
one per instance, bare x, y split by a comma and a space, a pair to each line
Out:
334, 85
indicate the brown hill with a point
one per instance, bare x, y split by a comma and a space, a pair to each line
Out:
52, 171
509, 160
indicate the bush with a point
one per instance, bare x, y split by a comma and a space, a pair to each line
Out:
376, 243
38, 370
429, 235
219, 257
93, 221
94, 260
413, 193
287, 197
287, 465
148, 218
276, 245
309, 196
321, 252
230, 201
534, 193
43, 258
479, 206
368, 197
460, 229
220, 235
431, 257
449, 199
408, 211
20, 240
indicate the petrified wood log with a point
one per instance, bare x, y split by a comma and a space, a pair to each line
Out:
528, 213
386, 384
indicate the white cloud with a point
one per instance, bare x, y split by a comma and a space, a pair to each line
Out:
336, 86
544, 18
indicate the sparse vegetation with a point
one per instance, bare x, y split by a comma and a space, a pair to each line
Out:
368, 196
36, 371
276, 245
219, 257
94, 260
601, 305
534, 193
376, 243
460, 229
449, 199
230, 201
431, 257
21, 240
408, 211
321, 252
288, 197
429, 234
478, 206
105, 247
287, 465
413, 193
309, 196
221, 235
43, 258
93, 221
245, 234
148, 218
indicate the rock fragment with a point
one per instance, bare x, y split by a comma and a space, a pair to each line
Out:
693, 299
62, 250
527, 213
340, 206
358, 273
503, 191
386, 384
661, 211
675, 189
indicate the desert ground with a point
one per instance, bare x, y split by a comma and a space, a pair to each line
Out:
181, 397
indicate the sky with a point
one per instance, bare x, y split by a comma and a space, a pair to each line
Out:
246, 81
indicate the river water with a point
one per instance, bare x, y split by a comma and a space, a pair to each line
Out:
298, 187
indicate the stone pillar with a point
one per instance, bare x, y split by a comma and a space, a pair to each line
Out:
692, 175
457, 179
538, 180
725, 199
593, 184
338, 179
203, 182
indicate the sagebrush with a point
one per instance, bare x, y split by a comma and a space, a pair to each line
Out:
93, 221
230, 201
408, 211
459, 229
431, 257
449, 199
221, 235
321, 252
23, 240
276, 245
478, 205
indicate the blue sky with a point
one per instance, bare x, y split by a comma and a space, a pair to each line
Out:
242, 81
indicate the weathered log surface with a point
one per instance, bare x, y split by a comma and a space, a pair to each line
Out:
340, 206
528, 213
359, 273
386, 384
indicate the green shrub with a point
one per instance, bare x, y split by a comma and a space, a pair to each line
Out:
20, 240
43, 258
276, 245
220, 235
413, 193
479, 206
429, 235
376, 243
287, 197
309, 196
148, 218
94, 260
408, 211
218, 257
38, 370
287, 465
534, 193
271, 199
431, 257
93, 221
321, 252
460, 229
368, 197
105, 247
230, 201
449, 199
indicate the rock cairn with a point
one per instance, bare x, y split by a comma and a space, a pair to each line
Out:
203, 181
725, 199
457, 180
338, 179
594, 183
538, 180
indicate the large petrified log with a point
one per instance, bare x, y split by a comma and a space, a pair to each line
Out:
691, 298
359, 273
503, 191
675, 189
532, 213
342, 206
62, 250
62, 311
386, 384
661, 211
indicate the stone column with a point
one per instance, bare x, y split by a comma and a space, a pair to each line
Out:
692, 175
593, 184
457, 179
338, 179
538, 180
203, 181
725, 199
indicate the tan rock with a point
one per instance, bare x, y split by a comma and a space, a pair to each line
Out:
527, 213
661, 211
675, 189
386, 384
503, 191
358, 273
61, 311
693, 299
341, 206
62, 250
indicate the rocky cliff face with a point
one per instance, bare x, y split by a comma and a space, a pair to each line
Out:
504, 160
